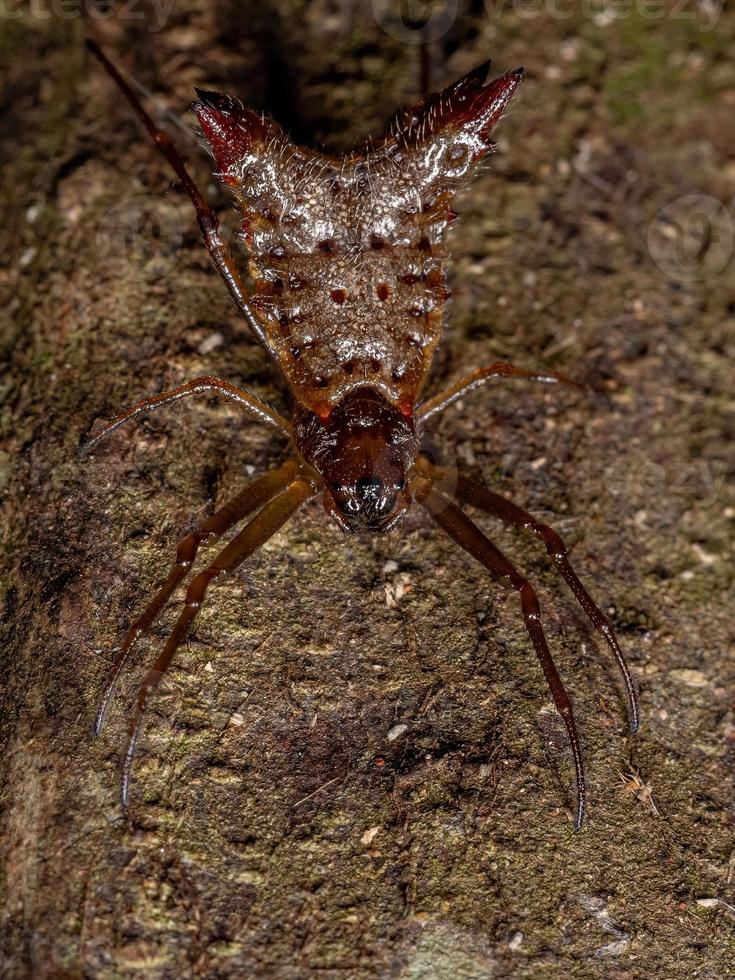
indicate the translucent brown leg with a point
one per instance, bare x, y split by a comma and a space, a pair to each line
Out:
253, 405
469, 492
471, 539
235, 510
262, 527
501, 369
207, 219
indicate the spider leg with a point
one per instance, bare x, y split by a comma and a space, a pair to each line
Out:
470, 538
469, 492
480, 376
253, 405
248, 500
208, 223
259, 530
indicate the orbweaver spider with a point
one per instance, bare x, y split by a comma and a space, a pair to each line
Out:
347, 259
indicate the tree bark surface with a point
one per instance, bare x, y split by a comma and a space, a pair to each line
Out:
355, 769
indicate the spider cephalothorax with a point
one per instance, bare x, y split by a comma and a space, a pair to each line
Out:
363, 450
348, 262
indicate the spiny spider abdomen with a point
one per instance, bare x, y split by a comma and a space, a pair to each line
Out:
346, 253
348, 264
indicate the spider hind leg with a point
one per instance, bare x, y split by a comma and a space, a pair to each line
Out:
470, 538
266, 523
476, 495
235, 510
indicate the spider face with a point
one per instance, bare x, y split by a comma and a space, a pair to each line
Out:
363, 452
367, 504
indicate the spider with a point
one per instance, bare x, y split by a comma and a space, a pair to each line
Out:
348, 263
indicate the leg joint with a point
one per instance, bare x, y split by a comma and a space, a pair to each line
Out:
553, 541
198, 587
529, 599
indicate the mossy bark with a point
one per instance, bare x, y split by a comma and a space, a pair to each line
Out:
355, 770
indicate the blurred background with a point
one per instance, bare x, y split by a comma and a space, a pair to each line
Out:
355, 769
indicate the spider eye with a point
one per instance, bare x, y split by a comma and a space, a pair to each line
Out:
369, 486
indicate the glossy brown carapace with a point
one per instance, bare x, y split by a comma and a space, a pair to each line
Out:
364, 451
348, 264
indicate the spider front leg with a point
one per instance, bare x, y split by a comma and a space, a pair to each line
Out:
254, 406
259, 530
471, 539
248, 500
218, 249
469, 492
500, 369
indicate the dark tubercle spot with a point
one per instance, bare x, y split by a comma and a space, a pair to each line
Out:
383, 291
267, 213
296, 353
415, 311
360, 176
338, 296
296, 283
277, 284
410, 279
327, 246
434, 277
321, 382
349, 367
377, 242
375, 364
261, 301
298, 318
458, 154
423, 244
